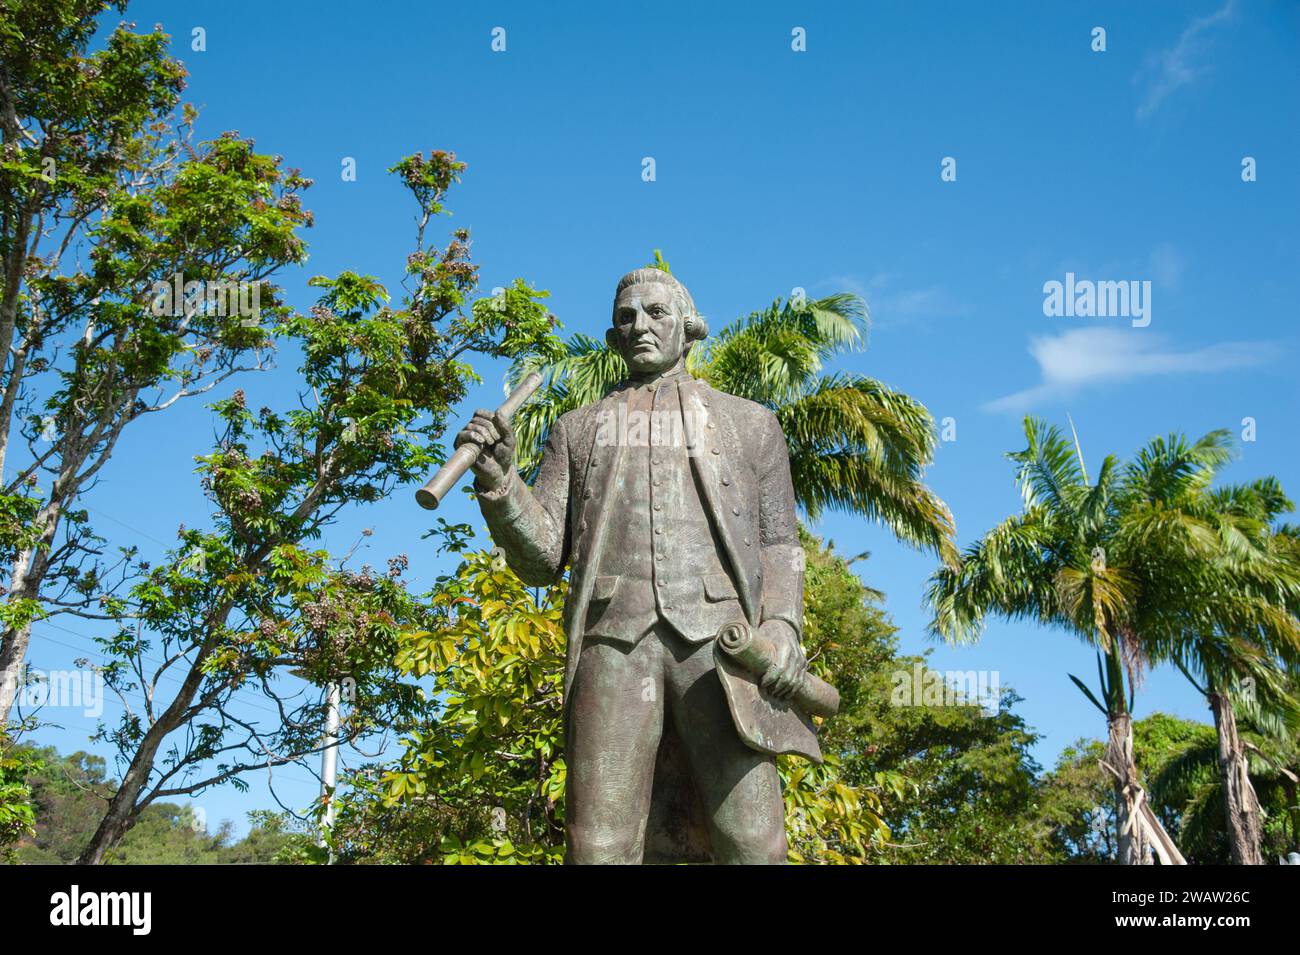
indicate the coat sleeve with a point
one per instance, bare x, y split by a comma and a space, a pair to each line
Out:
531, 525
780, 551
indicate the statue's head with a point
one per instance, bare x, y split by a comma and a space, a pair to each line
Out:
655, 322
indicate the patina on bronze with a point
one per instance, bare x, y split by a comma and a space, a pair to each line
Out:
672, 504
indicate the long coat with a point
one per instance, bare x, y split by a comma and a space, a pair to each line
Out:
738, 453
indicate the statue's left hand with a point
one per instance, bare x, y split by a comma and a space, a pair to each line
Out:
787, 670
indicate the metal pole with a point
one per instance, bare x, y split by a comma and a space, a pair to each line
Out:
329, 761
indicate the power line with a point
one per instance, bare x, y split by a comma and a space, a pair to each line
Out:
147, 659
139, 697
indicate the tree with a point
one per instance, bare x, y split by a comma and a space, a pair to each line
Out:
237, 605
1076, 807
1061, 563
1219, 590
1215, 591
1192, 785
855, 444
954, 772
105, 205
1076, 811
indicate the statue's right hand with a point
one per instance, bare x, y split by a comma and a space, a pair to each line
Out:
492, 432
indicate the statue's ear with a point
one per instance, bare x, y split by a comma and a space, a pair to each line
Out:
611, 339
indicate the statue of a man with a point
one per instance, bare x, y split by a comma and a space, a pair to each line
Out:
674, 506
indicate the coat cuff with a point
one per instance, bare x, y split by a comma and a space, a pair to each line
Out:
503, 491
783, 566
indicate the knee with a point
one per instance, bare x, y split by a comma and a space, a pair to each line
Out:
604, 845
760, 845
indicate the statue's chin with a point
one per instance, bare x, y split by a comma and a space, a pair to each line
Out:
647, 365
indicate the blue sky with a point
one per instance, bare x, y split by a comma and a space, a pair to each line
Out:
820, 169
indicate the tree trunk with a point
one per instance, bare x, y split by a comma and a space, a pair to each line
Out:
1239, 801
26, 579
122, 807
1142, 837
1134, 846
125, 805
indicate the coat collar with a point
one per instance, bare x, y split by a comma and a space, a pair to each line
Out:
682, 376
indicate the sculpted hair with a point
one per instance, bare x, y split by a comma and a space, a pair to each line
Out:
695, 326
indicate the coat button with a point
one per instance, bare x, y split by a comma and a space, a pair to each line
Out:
735, 510
747, 542
587, 494
726, 480
717, 450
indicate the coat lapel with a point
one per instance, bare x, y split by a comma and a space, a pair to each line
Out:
603, 464
700, 449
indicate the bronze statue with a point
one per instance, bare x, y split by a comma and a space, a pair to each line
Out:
673, 505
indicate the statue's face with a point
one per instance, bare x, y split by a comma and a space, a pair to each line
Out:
648, 331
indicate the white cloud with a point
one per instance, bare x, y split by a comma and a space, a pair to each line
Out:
1169, 70
1090, 356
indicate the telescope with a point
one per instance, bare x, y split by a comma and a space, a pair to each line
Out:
431, 495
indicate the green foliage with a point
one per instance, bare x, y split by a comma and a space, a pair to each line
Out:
1186, 787
1145, 562
106, 205
1149, 564
68, 794
251, 598
1077, 806
1177, 760
17, 814
956, 783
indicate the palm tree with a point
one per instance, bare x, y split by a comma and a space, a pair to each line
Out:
855, 444
1055, 563
1178, 572
1192, 783
1222, 603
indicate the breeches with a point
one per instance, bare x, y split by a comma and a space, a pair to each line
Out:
621, 697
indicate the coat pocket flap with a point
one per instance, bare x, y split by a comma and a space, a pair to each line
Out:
719, 587
604, 587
